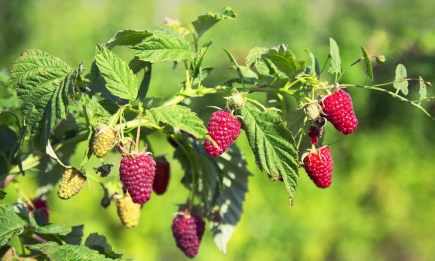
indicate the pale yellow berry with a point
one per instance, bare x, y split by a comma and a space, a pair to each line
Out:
72, 182
128, 211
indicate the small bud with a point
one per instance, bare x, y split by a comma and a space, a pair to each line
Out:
237, 100
380, 58
312, 111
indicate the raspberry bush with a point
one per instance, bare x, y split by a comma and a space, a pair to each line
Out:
102, 104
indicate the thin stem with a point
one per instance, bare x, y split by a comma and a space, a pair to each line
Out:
23, 249
283, 108
85, 112
256, 103
188, 84
40, 239
138, 129
326, 62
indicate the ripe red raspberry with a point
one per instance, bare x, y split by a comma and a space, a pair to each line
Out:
137, 175
318, 165
161, 179
188, 231
338, 109
314, 134
224, 128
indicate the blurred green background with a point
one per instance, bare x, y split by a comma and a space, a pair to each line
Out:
380, 205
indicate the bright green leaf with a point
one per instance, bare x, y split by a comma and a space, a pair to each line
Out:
207, 20
422, 90
178, 116
230, 202
273, 145
162, 48
314, 67
127, 37
367, 64
195, 65
53, 229
44, 85
99, 243
120, 80
401, 84
335, 66
11, 224
67, 252
284, 60
255, 54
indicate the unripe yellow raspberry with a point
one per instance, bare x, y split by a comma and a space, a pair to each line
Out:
128, 211
104, 140
72, 182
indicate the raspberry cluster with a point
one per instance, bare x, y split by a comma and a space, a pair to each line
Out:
137, 175
104, 140
188, 231
318, 165
71, 184
128, 211
224, 129
161, 179
339, 111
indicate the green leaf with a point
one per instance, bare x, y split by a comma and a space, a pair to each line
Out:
400, 75
145, 83
335, 66
255, 54
195, 65
44, 85
273, 145
162, 48
422, 90
99, 111
120, 80
230, 202
99, 243
205, 169
75, 236
207, 20
284, 60
314, 67
178, 116
367, 63
67, 252
127, 37
11, 224
53, 229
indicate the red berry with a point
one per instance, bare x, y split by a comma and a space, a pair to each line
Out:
318, 166
161, 179
188, 231
40, 209
224, 128
314, 141
137, 175
338, 109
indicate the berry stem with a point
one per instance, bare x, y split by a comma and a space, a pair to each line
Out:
138, 129
188, 84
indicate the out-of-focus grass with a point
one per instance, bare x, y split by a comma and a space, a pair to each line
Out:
379, 206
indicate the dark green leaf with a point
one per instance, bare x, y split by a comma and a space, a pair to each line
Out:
145, 83
44, 85
230, 201
120, 80
67, 252
2, 194
255, 54
162, 48
335, 66
367, 63
75, 236
127, 37
314, 67
137, 65
207, 20
273, 145
97, 112
401, 84
11, 224
178, 116
284, 60
99, 243
205, 169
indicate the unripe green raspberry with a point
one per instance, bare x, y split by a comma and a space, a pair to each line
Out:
104, 140
128, 211
237, 100
72, 182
